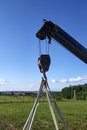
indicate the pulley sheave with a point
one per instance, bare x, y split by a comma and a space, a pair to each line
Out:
44, 63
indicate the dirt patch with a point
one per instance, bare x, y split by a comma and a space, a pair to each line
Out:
11, 127
5, 125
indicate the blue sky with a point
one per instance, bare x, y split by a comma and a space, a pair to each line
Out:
19, 22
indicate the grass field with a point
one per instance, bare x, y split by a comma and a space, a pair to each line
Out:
14, 112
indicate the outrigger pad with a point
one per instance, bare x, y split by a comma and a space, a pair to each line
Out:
44, 63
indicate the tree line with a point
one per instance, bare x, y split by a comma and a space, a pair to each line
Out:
72, 92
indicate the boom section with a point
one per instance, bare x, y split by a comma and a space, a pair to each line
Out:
50, 29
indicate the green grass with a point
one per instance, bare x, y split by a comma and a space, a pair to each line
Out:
14, 114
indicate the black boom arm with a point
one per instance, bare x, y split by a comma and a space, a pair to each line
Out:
50, 29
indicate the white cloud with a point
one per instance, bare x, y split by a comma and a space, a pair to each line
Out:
7, 85
71, 80
63, 81
53, 80
3, 81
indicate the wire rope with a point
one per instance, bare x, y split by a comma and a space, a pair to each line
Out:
47, 47
39, 46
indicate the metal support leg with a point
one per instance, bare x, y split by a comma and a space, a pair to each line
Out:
51, 109
57, 108
30, 118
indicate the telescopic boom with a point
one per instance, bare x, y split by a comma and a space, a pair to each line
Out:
50, 29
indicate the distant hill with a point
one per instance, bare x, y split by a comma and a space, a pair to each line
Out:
17, 92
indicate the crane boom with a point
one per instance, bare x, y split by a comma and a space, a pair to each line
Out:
50, 29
